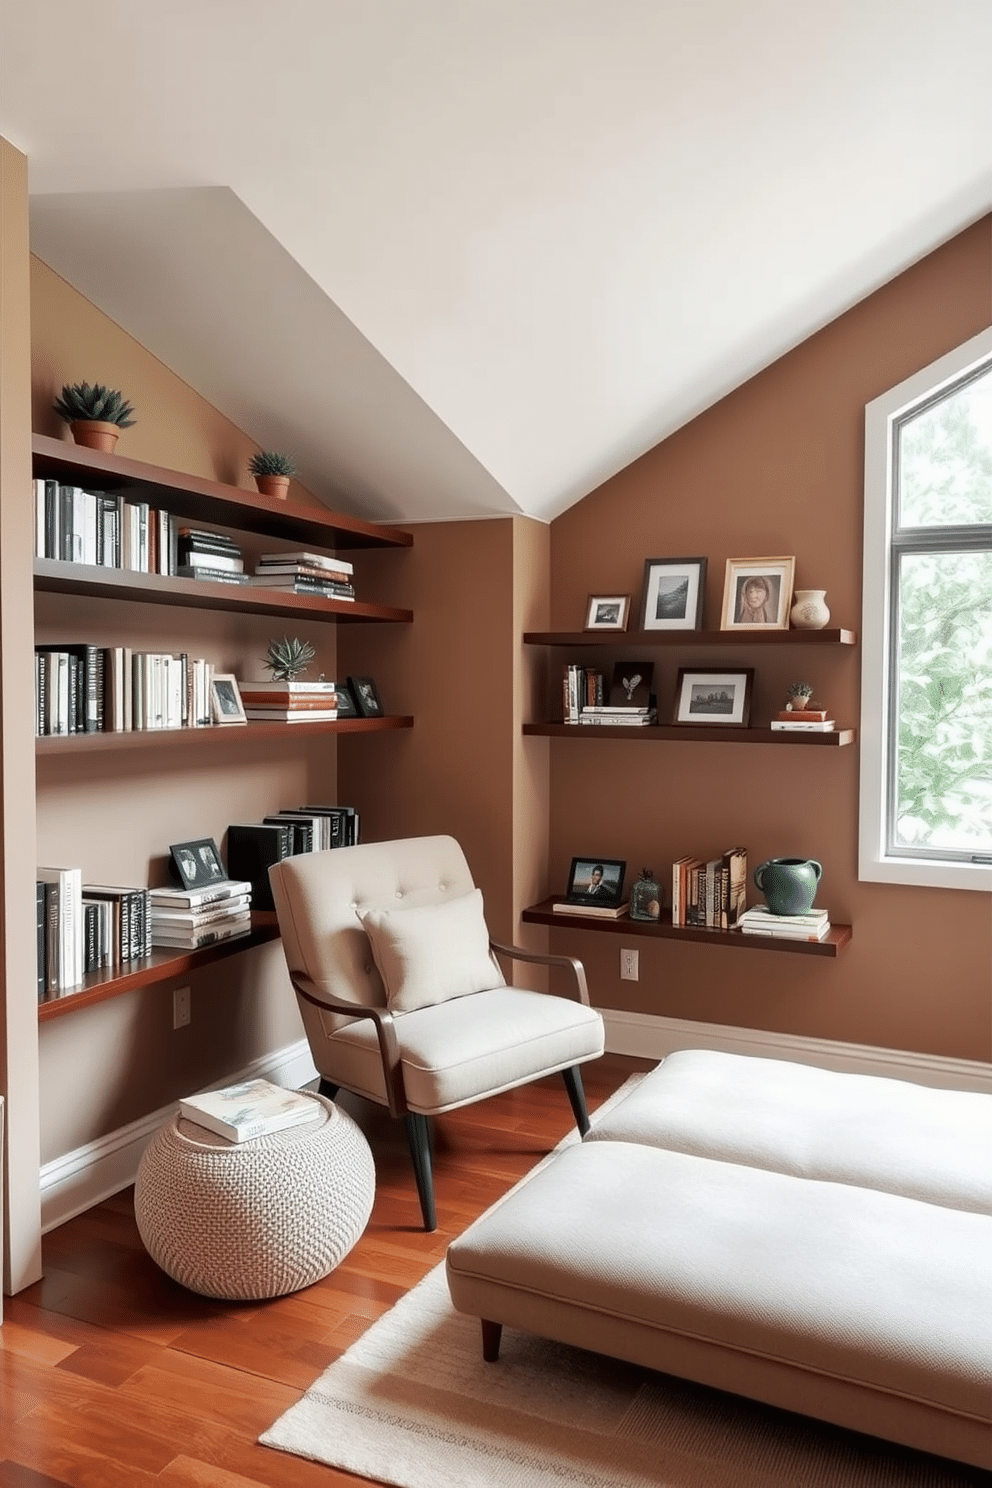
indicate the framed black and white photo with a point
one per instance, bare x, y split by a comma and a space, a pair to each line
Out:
346, 703
757, 593
608, 612
225, 699
197, 863
674, 590
366, 696
721, 698
596, 881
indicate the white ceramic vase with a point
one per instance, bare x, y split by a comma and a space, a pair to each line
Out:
809, 609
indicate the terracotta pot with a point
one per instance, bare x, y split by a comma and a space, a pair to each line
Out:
95, 434
273, 485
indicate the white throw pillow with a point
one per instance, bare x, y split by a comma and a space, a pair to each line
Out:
433, 952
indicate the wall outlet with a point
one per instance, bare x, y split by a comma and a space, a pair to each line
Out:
181, 1007
628, 966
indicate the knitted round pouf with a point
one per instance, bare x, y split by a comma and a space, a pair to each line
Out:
258, 1218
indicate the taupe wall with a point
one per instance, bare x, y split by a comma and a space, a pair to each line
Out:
776, 468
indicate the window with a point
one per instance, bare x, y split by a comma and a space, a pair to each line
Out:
926, 705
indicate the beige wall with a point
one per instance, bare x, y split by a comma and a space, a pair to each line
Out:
775, 468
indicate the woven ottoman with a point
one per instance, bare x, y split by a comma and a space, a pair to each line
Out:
259, 1218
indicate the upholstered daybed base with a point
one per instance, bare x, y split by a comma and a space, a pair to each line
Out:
834, 1298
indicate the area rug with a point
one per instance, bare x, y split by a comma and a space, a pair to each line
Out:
412, 1404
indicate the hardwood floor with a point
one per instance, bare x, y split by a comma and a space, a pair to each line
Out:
113, 1376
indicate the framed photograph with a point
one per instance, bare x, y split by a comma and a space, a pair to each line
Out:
225, 699
197, 863
674, 589
596, 881
346, 703
608, 612
757, 593
366, 696
722, 698
631, 684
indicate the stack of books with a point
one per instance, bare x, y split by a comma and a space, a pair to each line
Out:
209, 555
252, 1109
813, 720
621, 716
289, 702
759, 920
710, 893
305, 573
190, 918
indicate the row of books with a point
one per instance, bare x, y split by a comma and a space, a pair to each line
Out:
625, 702
253, 847
81, 688
711, 893
82, 927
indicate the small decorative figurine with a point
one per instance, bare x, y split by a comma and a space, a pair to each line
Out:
645, 897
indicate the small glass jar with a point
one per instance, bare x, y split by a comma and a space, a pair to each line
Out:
645, 897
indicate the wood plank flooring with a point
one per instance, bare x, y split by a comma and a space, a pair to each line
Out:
113, 1376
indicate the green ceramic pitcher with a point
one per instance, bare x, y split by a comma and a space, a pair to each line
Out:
789, 884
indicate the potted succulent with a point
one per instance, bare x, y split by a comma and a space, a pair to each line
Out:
272, 472
96, 415
800, 694
286, 659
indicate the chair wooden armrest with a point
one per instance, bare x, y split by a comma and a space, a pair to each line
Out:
385, 1029
570, 963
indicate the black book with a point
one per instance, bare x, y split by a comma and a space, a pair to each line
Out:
344, 823
252, 849
42, 958
86, 685
53, 520
91, 946
302, 830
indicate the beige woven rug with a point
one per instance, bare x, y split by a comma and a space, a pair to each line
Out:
412, 1404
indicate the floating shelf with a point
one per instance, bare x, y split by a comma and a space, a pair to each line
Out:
204, 500
543, 914
622, 639
96, 582
692, 734
129, 739
161, 966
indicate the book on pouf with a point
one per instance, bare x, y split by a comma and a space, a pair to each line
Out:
253, 1108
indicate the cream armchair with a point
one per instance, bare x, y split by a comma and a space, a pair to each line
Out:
402, 997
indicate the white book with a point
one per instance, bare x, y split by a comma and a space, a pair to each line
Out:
603, 911
251, 1109
185, 939
291, 688
826, 727
761, 914
314, 560
177, 898
789, 932
204, 916
70, 937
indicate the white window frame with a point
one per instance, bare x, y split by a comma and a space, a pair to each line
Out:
876, 864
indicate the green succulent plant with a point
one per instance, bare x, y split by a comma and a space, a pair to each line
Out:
801, 690
271, 462
78, 400
287, 658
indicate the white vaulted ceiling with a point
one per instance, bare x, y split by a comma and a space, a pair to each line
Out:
474, 256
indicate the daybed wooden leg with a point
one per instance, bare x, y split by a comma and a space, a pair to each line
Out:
491, 1335
577, 1098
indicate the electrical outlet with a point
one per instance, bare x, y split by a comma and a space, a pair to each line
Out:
628, 966
181, 1007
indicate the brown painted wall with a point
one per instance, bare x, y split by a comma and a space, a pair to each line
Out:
775, 468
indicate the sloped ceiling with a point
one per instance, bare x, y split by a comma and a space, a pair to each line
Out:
464, 257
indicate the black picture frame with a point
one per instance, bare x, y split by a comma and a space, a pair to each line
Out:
366, 695
674, 591
606, 873
631, 684
197, 864
712, 699
345, 701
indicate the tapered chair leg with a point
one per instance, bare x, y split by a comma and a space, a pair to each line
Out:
327, 1089
576, 1097
418, 1134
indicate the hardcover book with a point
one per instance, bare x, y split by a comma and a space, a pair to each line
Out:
252, 1109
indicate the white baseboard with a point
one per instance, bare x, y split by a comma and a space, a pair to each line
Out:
77, 1180
646, 1036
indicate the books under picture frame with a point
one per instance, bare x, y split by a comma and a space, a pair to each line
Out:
757, 593
712, 698
674, 590
596, 881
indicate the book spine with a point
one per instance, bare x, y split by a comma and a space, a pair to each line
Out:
40, 943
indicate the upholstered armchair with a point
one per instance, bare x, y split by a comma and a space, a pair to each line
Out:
402, 997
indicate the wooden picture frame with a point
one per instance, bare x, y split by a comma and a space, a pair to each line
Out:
366, 696
607, 612
708, 699
596, 881
673, 595
196, 864
757, 593
226, 706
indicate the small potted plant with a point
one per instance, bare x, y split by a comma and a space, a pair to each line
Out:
272, 472
96, 415
287, 659
800, 694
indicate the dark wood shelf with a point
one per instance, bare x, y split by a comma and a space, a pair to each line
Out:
690, 733
130, 739
543, 914
622, 639
163, 965
53, 576
204, 500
